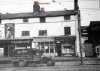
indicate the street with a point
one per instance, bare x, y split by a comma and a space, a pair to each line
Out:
59, 66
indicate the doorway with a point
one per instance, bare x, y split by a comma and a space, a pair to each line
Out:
58, 48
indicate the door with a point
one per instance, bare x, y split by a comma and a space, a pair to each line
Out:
10, 48
58, 47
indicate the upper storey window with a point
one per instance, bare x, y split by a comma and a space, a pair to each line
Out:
42, 20
25, 20
67, 30
42, 32
67, 17
25, 33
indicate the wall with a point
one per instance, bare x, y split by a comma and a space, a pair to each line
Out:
54, 26
2, 31
53, 29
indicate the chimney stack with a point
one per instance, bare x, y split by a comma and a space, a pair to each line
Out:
36, 7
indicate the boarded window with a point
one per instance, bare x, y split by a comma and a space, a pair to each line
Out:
42, 32
67, 30
25, 33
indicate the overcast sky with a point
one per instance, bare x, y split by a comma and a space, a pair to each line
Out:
17, 6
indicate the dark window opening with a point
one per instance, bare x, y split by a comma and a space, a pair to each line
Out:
67, 17
42, 32
25, 20
67, 30
42, 19
25, 33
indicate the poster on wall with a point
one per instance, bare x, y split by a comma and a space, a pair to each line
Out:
9, 30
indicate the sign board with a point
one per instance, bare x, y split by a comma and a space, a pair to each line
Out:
21, 41
43, 39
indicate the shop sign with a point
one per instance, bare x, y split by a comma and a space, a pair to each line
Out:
43, 39
20, 41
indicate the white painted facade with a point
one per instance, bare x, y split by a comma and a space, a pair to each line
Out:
54, 26
2, 31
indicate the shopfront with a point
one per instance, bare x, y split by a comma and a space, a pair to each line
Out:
46, 44
65, 45
7, 45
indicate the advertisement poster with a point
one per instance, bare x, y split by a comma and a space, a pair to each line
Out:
9, 30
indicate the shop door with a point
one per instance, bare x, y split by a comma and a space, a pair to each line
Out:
58, 47
10, 48
6, 50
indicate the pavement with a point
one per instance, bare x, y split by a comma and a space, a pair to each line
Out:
63, 60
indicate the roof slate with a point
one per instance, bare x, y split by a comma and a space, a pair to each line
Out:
41, 14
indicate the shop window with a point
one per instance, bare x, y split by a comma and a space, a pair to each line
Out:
67, 17
0, 34
51, 48
42, 19
47, 47
67, 30
25, 33
25, 20
42, 32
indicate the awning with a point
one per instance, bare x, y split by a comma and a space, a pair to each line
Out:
43, 39
16, 40
69, 39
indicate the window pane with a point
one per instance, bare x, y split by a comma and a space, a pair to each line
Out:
25, 33
46, 48
42, 19
67, 30
51, 49
42, 32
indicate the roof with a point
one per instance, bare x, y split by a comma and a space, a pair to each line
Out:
41, 14
13, 39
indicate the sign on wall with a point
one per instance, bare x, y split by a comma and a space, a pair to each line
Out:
9, 30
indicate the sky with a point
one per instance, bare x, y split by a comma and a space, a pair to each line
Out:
18, 6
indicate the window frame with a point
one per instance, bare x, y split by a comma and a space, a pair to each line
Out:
42, 33
25, 33
67, 30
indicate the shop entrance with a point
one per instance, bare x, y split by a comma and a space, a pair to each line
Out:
58, 48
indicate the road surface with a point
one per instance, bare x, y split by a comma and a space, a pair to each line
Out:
58, 67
